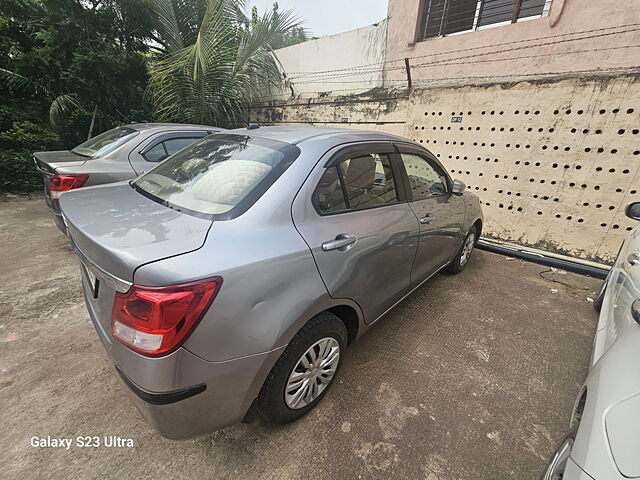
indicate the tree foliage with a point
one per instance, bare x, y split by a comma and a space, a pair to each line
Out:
64, 62
214, 59
59, 58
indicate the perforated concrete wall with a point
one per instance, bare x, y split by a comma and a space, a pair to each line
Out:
554, 161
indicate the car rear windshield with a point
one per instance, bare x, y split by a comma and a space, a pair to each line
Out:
106, 142
220, 176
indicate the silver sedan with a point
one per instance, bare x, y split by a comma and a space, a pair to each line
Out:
118, 154
231, 278
604, 440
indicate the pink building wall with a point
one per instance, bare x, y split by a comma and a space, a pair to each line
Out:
589, 21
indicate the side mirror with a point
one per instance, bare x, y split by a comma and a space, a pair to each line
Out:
633, 210
459, 187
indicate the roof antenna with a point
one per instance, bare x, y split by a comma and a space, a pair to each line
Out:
250, 126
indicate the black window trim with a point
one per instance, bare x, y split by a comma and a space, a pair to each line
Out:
430, 159
385, 147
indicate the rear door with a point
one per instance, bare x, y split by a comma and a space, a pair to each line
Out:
159, 147
352, 213
440, 212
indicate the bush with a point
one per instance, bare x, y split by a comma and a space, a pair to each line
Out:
19, 173
29, 136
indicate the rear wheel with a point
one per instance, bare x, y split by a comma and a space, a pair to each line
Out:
305, 371
462, 258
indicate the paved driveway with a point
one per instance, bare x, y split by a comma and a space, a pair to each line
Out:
472, 377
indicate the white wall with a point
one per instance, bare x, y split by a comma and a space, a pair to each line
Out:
333, 65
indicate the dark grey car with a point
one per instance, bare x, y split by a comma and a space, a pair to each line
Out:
115, 155
232, 277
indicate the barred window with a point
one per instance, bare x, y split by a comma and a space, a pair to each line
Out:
446, 17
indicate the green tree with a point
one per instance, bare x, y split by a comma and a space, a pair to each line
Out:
214, 60
67, 61
293, 36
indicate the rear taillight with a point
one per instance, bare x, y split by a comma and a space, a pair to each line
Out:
156, 320
63, 183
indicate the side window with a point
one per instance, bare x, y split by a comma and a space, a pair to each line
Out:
425, 181
162, 150
156, 153
367, 180
175, 144
329, 196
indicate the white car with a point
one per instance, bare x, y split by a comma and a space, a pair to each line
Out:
604, 442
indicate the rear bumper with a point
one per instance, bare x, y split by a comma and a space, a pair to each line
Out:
164, 398
182, 395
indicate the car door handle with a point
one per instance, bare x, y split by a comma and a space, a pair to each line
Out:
634, 259
342, 242
427, 219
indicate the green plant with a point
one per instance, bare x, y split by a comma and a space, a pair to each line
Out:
214, 59
29, 136
19, 174
17, 144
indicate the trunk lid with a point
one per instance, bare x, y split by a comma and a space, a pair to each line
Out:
117, 229
47, 162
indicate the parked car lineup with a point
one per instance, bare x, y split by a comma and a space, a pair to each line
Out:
604, 441
119, 154
230, 278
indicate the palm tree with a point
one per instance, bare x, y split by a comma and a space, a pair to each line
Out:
213, 59
60, 105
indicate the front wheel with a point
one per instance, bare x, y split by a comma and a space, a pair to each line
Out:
305, 371
463, 255
558, 464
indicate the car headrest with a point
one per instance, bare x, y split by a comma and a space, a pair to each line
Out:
361, 172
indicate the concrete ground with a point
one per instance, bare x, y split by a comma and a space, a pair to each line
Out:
472, 377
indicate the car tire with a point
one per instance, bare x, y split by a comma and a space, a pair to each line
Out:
279, 400
462, 257
555, 467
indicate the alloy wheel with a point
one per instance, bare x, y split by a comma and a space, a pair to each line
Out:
558, 464
467, 249
312, 374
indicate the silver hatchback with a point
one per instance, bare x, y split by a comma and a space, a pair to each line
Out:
230, 279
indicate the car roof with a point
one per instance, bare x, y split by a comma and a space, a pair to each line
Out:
296, 134
169, 126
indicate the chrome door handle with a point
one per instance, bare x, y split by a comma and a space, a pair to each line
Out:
633, 259
427, 219
342, 242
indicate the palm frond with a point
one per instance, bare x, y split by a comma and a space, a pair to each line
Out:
226, 65
16, 81
60, 106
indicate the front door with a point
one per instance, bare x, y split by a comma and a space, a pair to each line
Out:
363, 235
440, 213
